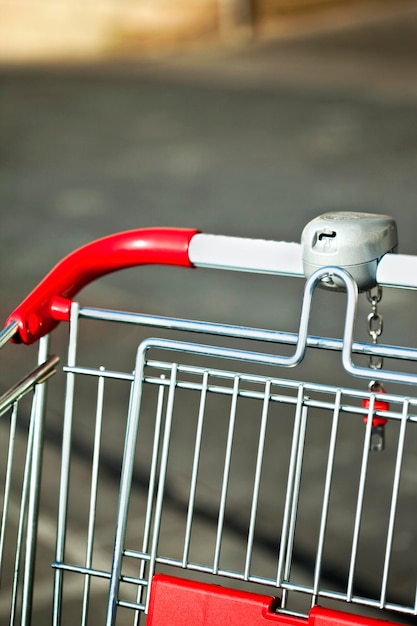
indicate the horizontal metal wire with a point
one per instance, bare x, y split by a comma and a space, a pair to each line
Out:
101, 372
131, 605
80, 569
245, 332
230, 375
237, 576
257, 395
95, 573
355, 599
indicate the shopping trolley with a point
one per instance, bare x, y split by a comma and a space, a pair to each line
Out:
201, 483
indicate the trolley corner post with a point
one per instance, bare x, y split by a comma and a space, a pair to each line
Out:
125, 486
37, 420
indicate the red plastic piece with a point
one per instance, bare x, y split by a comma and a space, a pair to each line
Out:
178, 602
379, 405
48, 303
327, 617
60, 308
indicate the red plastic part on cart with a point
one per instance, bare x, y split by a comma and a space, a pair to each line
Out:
50, 302
179, 602
379, 405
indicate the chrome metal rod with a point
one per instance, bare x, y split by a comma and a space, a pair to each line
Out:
244, 332
39, 375
38, 418
65, 470
7, 333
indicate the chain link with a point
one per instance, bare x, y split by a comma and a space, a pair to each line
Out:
375, 325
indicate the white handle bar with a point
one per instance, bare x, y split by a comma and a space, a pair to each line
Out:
283, 258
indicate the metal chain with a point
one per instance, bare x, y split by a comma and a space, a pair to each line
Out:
375, 326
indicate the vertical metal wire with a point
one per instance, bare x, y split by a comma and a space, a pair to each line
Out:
359, 502
162, 473
125, 485
394, 501
151, 491
296, 493
415, 603
7, 482
194, 472
287, 523
257, 479
22, 522
38, 417
326, 497
65, 467
93, 497
226, 473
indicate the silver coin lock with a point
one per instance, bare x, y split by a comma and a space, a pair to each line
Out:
353, 241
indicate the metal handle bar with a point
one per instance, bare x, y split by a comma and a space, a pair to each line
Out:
39, 375
50, 301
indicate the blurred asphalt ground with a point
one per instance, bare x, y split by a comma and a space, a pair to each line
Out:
253, 142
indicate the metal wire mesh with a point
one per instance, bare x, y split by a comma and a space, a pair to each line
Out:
190, 430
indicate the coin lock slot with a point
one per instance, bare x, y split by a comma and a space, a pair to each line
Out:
354, 241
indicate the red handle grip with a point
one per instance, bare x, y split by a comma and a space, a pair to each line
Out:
49, 302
